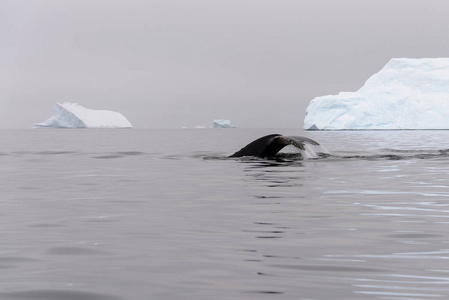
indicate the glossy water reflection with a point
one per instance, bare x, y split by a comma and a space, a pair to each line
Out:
165, 215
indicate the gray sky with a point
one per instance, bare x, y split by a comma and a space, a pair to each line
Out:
174, 63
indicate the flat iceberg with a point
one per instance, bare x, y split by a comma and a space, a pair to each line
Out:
73, 115
405, 94
222, 124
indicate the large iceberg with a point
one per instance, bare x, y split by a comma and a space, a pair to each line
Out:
222, 124
405, 94
72, 115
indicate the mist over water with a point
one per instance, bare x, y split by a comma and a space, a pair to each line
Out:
164, 214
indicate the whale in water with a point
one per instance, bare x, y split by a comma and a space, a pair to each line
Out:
270, 145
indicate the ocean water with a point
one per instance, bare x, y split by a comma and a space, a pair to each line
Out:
163, 214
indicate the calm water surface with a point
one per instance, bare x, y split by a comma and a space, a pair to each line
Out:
162, 214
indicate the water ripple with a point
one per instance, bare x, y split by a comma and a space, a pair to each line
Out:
57, 295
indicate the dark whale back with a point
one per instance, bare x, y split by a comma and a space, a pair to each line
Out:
270, 145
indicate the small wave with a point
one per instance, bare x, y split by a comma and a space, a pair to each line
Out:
214, 157
120, 154
72, 251
405, 154
107, 156
57, 294
54, 152
131, 153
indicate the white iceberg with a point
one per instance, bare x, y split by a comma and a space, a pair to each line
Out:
222, 124
73, 115
405, 94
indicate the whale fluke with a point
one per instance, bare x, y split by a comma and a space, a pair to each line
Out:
270, 145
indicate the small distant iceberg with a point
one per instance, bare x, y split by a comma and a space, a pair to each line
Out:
222, 124
194, 127
73, 115
406, 94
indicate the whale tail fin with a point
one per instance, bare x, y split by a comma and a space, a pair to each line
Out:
270, 145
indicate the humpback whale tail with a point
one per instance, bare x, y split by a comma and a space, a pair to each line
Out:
270, 145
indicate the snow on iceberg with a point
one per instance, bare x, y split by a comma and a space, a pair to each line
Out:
72, 115
405, 94
222, 124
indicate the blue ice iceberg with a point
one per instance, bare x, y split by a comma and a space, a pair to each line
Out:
405, 94
222, 124
72, 115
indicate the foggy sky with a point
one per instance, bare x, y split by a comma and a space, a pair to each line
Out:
174, 63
